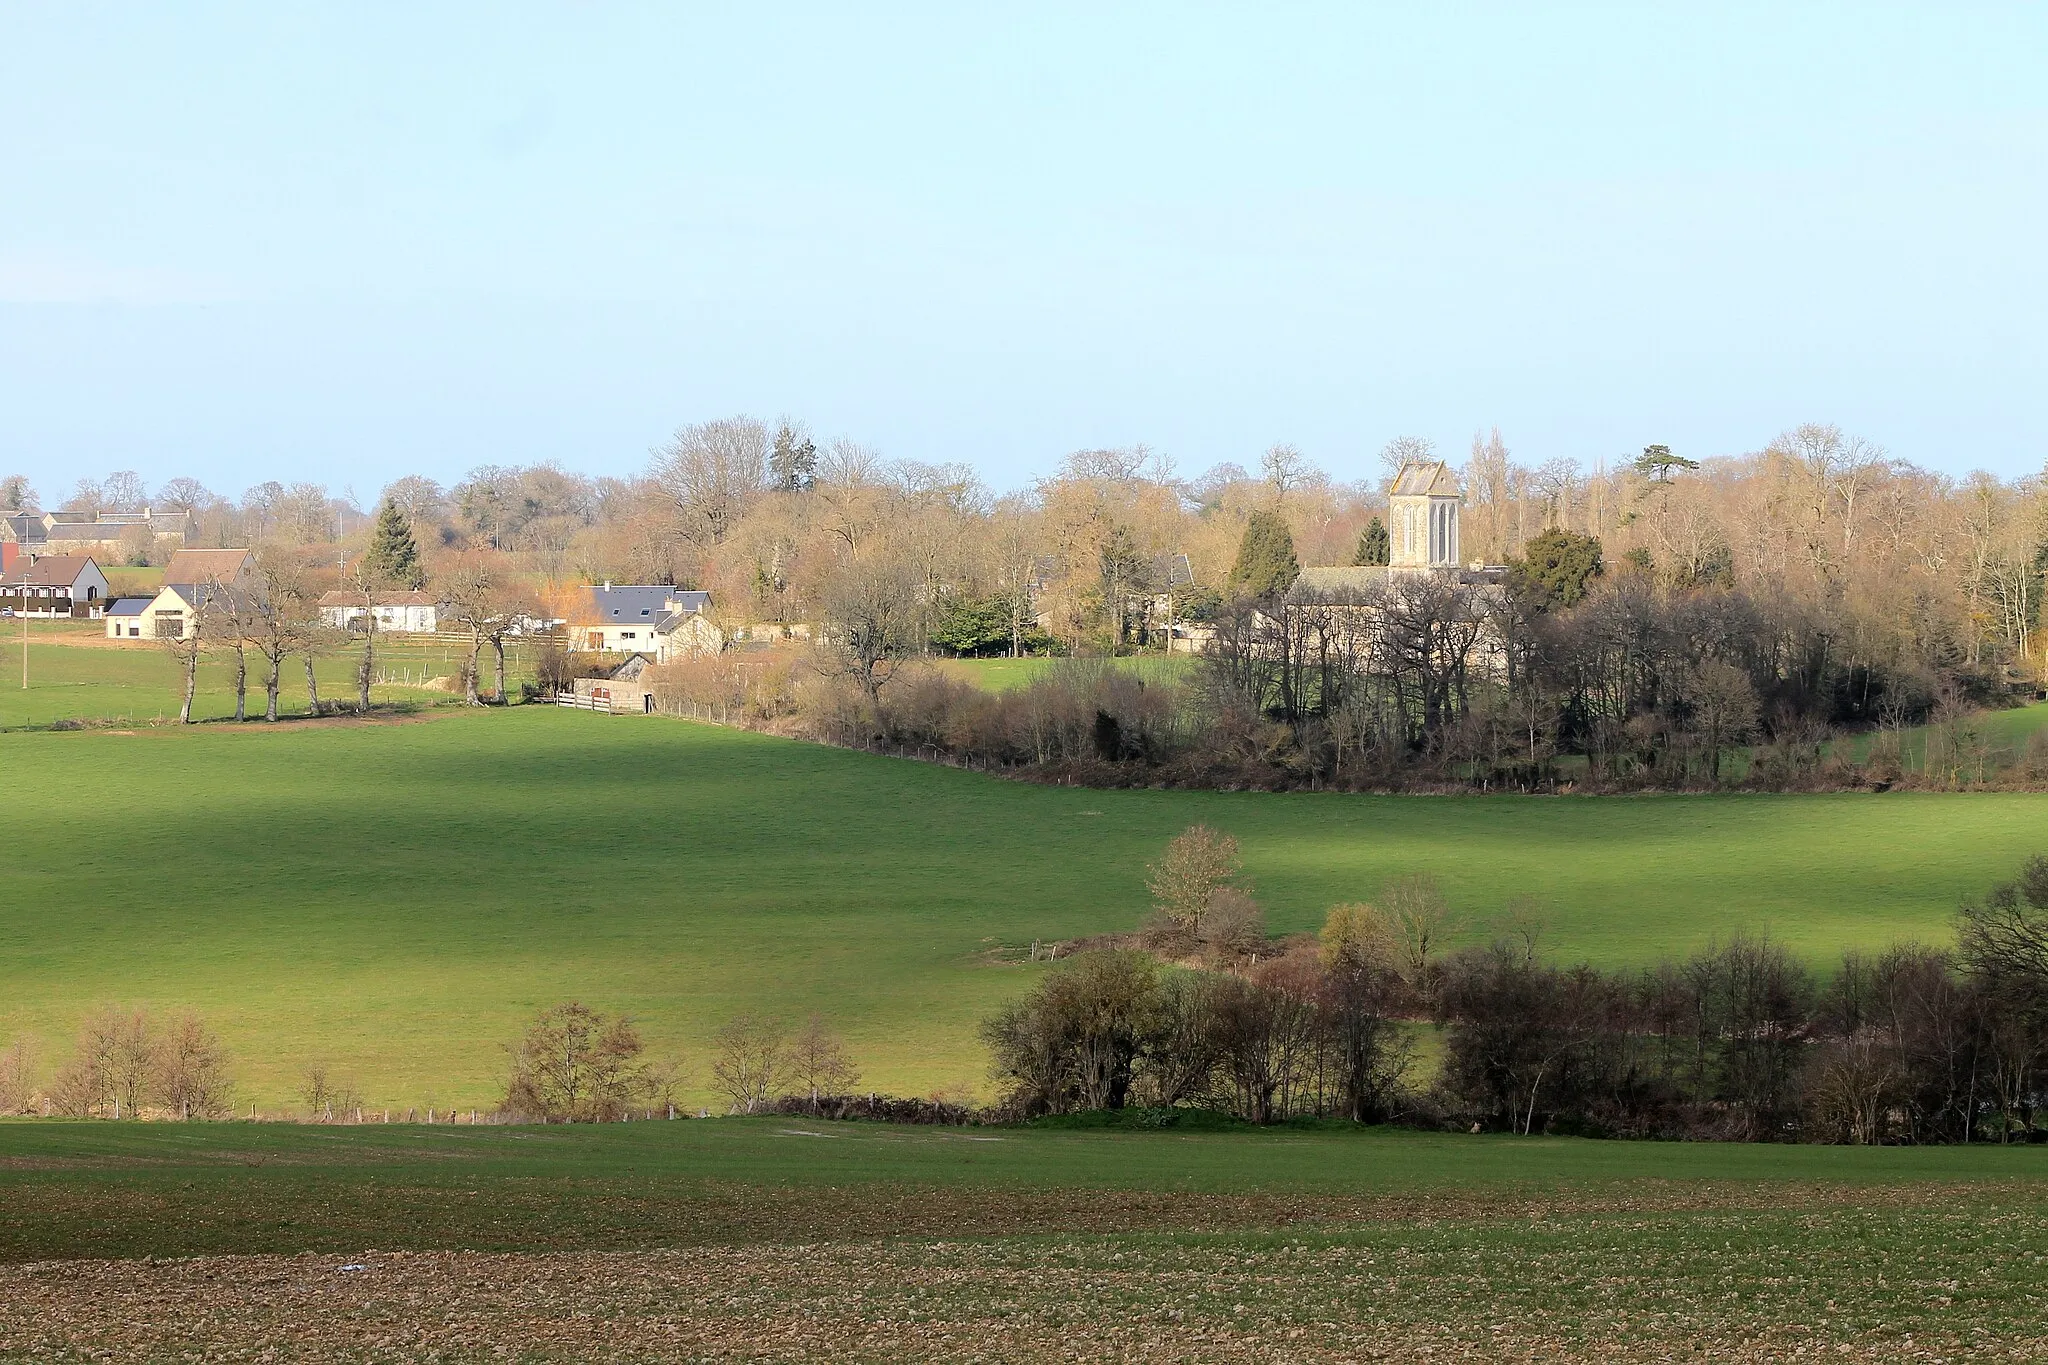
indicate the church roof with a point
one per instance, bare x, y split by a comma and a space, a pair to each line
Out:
1359, 584
1417, 479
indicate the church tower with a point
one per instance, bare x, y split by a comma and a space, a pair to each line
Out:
1423, 509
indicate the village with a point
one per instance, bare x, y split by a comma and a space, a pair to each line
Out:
50, 570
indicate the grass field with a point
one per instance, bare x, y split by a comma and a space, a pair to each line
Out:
75, 673
779, 1239
1002, 675
396, 899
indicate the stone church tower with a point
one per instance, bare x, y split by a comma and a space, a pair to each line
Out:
1423, 509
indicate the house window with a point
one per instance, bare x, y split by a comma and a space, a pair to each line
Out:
626, 635
135, 632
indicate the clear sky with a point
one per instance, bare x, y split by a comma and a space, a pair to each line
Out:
350, 242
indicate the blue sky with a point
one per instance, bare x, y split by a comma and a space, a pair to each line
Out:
352, 242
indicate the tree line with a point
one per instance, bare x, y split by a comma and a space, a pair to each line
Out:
1661, 612
1738, 1041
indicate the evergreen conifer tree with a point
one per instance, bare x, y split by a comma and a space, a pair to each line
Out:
394, 557
1374, 546
1266, 566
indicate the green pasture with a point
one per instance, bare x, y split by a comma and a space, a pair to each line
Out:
1004, 675
138, 682
169, 1189
396, 899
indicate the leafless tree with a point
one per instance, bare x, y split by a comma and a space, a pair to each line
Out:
1421, 921
753, 1058
191, 1070
871, 616
421, 500
711, 471
817, 1062
17, 1075
576, 1065
282, 620
1200, 862
184, 495
1285, 467
189, 646
1402, 451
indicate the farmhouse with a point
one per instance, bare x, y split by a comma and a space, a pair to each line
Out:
401, 613
643, 618
194, 580
55, 585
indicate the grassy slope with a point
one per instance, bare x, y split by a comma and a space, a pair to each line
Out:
396, 899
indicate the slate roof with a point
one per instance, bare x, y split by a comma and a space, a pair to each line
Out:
623, 604
83, 531
129, 606
1341, 584
25, 528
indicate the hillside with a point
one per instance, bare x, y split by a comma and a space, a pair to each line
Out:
397, 898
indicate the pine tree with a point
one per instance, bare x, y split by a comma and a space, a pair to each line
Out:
393, 556
1374, 545
1266, 566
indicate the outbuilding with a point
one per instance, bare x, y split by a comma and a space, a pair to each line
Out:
125, 617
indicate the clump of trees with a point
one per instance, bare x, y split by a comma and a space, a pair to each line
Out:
128, 1063
578, 1065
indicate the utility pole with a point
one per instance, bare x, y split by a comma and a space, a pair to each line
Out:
24, 627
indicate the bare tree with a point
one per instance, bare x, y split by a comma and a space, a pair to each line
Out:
371, 589
871, 616
1285, 467
753, 1059
1402, 451
1198, 863
474, 590
419, 499
111, 1066
711, 471
184, 495
282, 619
191, 1070
189, 645
123, 491
576, 1065
817, 1063
1421, 921
17, 1075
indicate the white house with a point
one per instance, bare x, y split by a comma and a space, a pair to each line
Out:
403, 613
193, 580
126, 617
643, 618
55, 585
